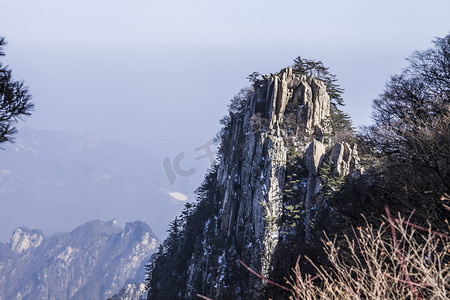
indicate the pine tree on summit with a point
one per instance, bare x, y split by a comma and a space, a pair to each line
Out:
14, 101
340, 121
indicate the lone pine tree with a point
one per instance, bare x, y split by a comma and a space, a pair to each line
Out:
14, 100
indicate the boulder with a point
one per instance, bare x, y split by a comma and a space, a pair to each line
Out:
344, 158
314, 156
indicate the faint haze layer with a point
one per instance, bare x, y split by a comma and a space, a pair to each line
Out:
159, 74
55, 181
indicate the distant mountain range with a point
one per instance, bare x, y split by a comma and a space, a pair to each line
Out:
55, 181
94, 261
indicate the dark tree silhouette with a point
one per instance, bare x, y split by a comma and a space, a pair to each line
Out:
252, 78
14, 101
412, 131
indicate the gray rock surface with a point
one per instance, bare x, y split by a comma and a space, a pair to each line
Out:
314, 156
345, 158
24, 239
132, 291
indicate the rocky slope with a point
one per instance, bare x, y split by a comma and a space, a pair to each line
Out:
93, 261
278, 150
132, 291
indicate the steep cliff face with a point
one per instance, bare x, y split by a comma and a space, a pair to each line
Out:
91, 262
265, 190
251, 179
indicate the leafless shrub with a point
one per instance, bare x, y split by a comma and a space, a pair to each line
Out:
397, 260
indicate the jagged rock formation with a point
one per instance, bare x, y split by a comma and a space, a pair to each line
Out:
345, 158
282, 131
92, 262
24, 239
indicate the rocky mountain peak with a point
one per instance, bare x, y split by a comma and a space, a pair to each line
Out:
266, 190
23, 239
284, 88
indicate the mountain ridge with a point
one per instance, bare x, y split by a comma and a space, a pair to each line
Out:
93, 261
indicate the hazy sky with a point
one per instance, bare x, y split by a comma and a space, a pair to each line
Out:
160, 73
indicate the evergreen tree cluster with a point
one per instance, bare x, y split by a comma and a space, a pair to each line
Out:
293, 197
170, 266
330, 180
